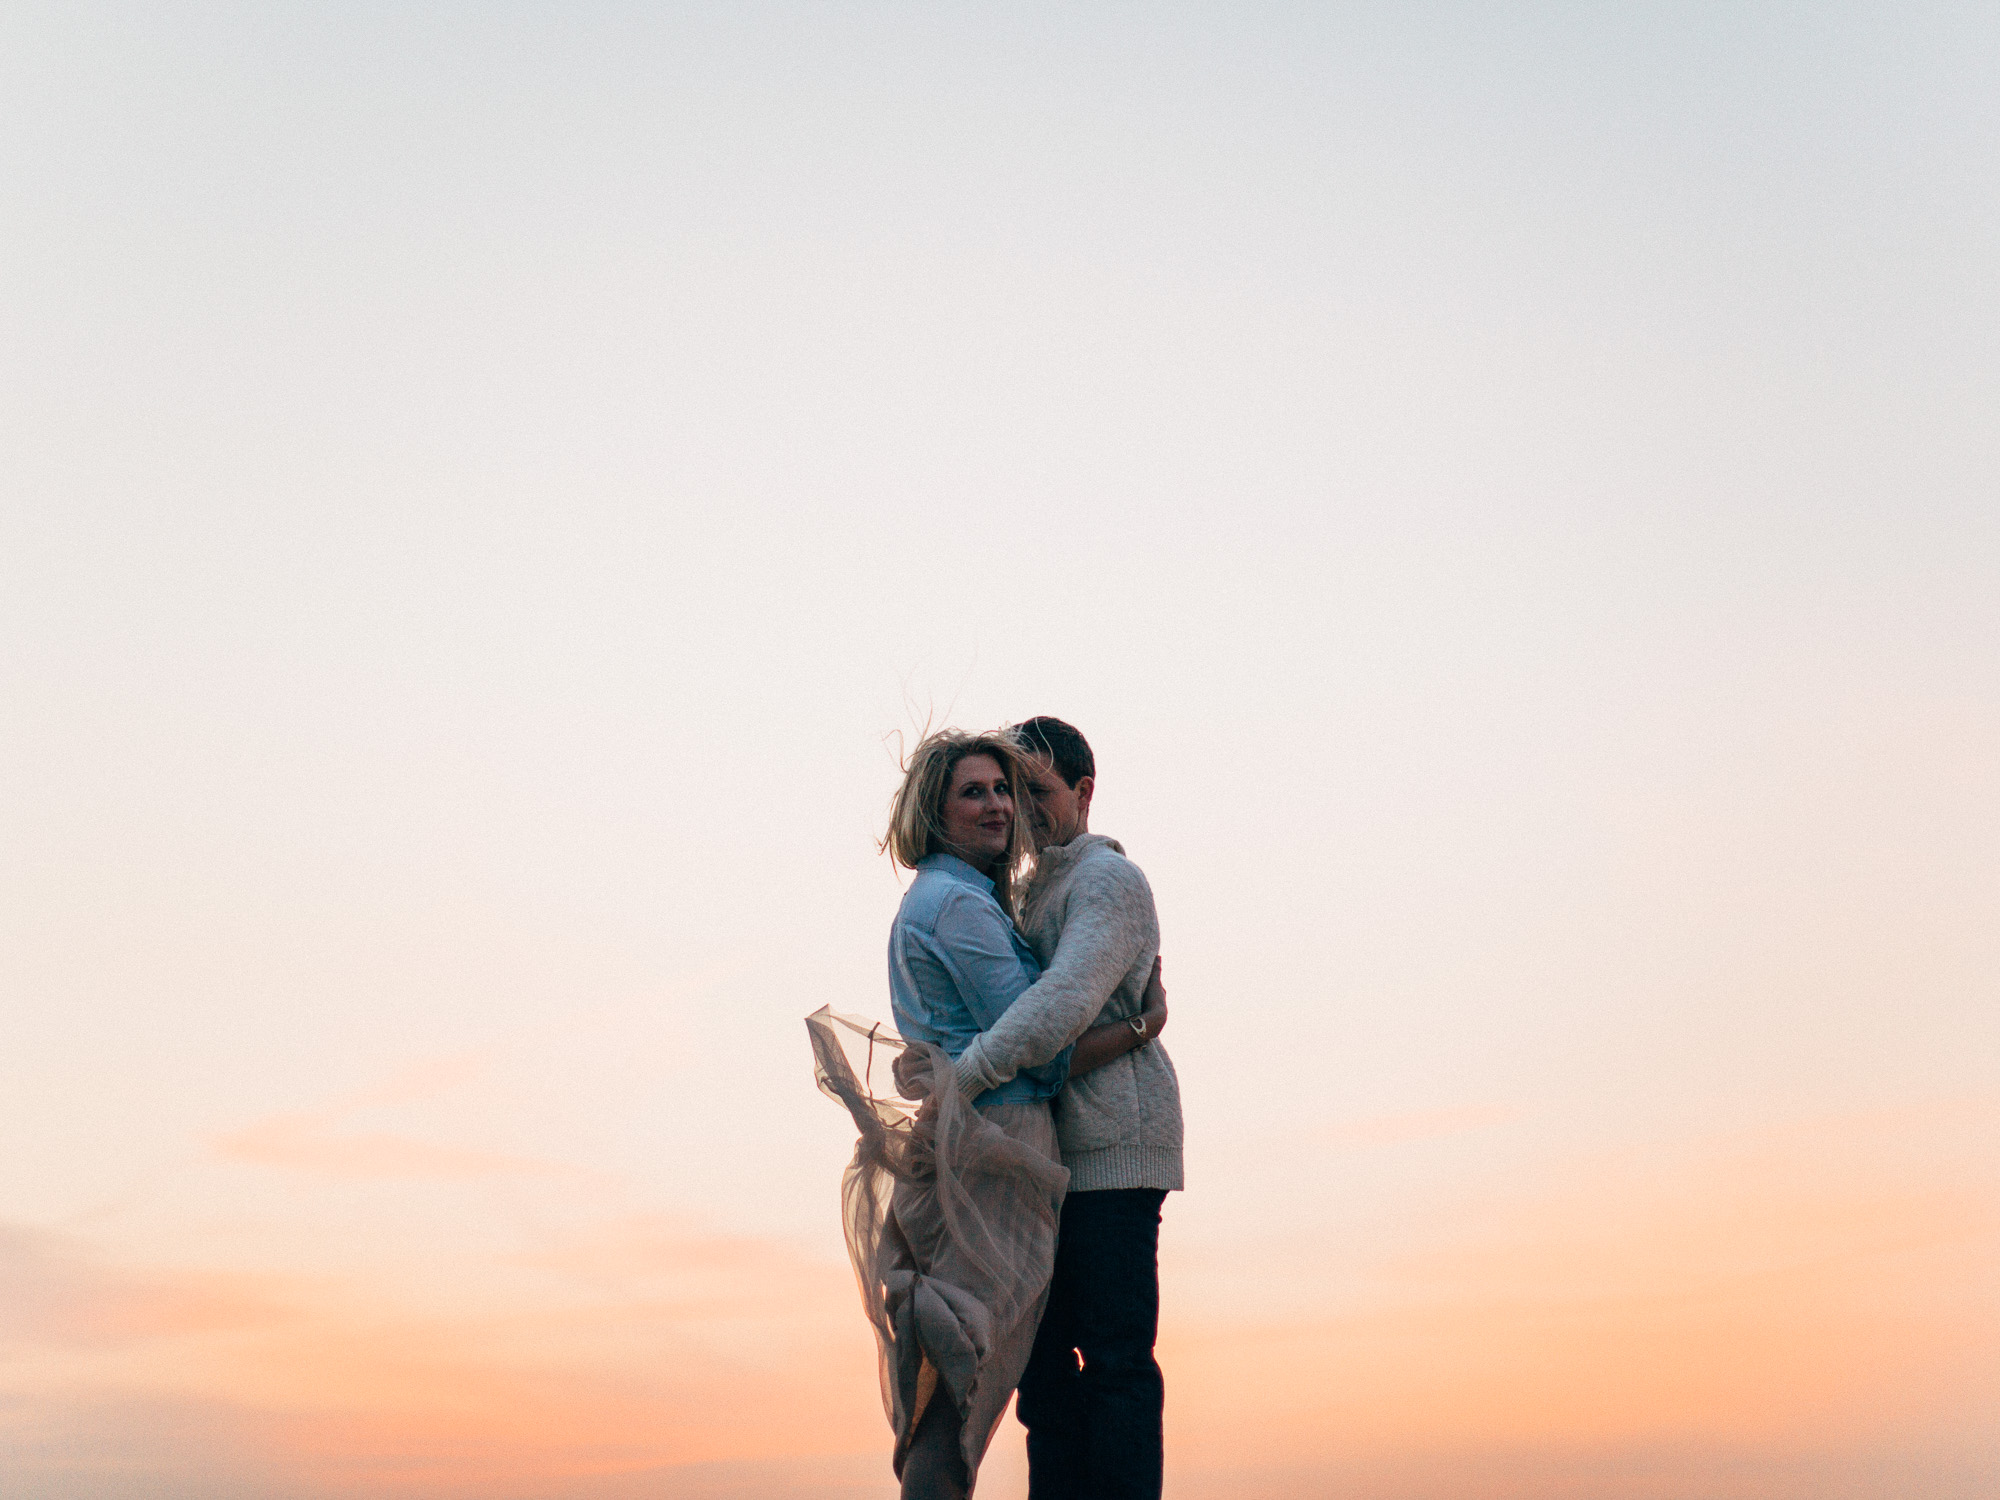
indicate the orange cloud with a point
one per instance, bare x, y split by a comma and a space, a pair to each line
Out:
1823, 1289
1416, 1125
425, 1079
638, 1346
65, 1445
656, 1347
310, 1142
313, 1140
1738, 1320
55, 1294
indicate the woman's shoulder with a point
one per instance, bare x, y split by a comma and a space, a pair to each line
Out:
933, 897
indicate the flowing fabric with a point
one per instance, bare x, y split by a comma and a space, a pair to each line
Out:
950, 1214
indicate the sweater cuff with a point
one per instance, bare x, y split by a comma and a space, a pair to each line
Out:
970, 1075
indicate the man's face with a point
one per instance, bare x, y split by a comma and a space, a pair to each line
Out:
1057, 813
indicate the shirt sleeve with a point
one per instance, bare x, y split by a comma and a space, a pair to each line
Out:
975, 944
1103, 932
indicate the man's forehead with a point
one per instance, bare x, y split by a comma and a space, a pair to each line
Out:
1038, 766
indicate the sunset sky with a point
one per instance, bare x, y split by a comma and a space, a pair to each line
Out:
1511, 492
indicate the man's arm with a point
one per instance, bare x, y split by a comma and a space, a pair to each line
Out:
1104, 932
1102, 1044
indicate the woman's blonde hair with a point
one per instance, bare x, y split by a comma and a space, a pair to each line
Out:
916, 812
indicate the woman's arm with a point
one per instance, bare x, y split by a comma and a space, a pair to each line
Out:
975, 945
1101, 1044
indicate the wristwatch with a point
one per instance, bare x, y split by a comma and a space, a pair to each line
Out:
1138, 1025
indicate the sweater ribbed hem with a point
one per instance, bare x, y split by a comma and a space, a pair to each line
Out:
1124, 1167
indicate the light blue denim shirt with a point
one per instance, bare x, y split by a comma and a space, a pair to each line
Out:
956, 963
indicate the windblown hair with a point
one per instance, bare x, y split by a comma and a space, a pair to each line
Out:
916, 812
1068, 751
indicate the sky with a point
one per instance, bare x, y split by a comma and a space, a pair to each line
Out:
1509, 492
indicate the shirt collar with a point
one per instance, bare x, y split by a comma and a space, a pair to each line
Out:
1057, 855
957, 869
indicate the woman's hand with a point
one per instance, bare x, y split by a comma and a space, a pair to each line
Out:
912, 1074
912, 1071
1153, 1004
1101, 1044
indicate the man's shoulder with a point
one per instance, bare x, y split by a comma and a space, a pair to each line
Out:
1104, 871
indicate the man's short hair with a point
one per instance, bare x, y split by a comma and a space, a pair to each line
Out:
1066, 749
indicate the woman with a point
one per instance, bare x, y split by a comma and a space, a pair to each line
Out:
951, 1204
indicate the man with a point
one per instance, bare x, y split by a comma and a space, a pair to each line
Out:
1093, 1397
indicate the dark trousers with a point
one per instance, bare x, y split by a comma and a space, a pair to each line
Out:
1093, 1398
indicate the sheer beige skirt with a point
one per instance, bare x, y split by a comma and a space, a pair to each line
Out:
950, 1215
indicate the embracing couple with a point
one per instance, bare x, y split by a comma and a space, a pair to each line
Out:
1019, 1130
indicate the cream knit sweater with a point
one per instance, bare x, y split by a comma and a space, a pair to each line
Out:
1089, 917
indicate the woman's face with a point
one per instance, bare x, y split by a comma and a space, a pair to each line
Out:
979, 812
